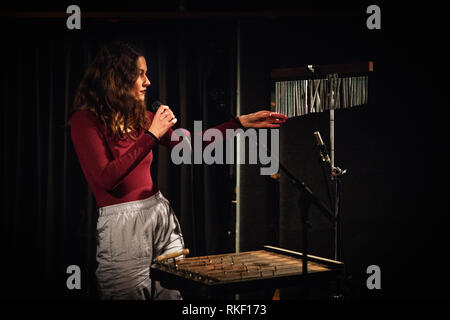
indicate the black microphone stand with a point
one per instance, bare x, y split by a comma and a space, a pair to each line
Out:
306, 199
194, 233
192, 185
336, 175
327, 172
334, 178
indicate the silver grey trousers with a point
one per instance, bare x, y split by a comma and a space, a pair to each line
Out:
129, 238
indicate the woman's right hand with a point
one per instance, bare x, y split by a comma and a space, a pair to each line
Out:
163, 120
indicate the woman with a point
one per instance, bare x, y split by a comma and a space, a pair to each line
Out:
114, 135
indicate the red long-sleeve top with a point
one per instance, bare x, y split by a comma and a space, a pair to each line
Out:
118, 169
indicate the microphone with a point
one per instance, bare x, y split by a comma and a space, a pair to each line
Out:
322, 148
155, 105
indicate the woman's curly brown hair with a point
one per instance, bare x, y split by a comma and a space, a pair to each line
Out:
105, 89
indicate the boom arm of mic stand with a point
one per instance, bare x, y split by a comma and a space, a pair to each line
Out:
314, 199
311, 198
300, 185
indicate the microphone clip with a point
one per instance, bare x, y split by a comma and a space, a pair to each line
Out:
337, 172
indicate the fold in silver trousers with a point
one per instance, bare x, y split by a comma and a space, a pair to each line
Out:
129, 238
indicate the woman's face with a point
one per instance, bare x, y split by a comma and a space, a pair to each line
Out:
140, 87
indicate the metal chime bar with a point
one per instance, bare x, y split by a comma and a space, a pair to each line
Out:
299, 97
304, 90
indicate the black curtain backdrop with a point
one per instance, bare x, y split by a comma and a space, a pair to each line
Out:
395, 193
49, 216
395, 189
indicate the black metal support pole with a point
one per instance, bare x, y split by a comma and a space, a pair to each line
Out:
304, 204
339, 249
194, 226
339, 252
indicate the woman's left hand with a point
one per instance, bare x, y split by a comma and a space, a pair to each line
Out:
262, 119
